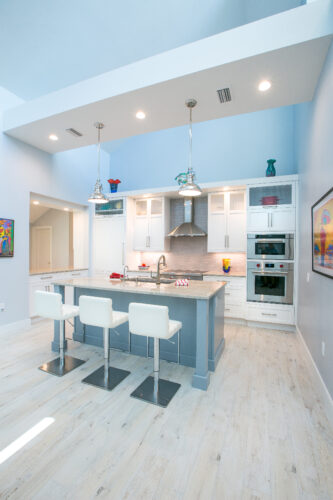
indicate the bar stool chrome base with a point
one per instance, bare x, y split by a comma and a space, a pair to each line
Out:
160, 395
106, 379
55, 367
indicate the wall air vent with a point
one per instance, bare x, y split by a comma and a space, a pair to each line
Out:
74, 132
224, 95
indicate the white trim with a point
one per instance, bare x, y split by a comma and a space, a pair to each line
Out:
24, 324
328, 397
207, 186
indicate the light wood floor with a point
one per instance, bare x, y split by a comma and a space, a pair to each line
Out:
259, 432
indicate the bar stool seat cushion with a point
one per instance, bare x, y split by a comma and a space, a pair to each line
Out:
174, 326
70, 311
119, 318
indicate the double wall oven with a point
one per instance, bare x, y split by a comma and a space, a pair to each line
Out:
270, 278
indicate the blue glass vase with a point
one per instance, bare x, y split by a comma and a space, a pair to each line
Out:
270, 170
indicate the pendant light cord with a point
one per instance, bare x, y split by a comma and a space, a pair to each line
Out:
190, 142
99, 155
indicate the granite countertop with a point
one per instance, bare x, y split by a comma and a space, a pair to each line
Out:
196, 289
59, 270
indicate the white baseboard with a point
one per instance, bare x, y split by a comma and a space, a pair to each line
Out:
326, 393
24, 324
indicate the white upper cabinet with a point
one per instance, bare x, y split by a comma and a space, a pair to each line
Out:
151, 225
271, 207
226, 222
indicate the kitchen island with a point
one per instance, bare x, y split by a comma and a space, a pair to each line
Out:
200, 308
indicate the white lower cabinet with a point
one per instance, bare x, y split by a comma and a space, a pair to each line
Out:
235, 295
270, 313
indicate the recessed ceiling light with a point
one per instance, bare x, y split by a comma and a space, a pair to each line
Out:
35, 202
53, 137
66, 209
141, 115
264, 85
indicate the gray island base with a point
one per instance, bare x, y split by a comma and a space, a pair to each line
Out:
200, 308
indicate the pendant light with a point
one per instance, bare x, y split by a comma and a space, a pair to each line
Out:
190, 188
98, 196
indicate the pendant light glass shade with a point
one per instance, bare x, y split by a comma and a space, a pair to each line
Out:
190, 188
97, 196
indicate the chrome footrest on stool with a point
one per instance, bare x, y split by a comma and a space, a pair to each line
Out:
106, 380
55, 367
160, 397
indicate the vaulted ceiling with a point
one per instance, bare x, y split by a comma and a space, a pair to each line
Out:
47, 45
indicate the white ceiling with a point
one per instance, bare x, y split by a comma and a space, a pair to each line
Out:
244, 60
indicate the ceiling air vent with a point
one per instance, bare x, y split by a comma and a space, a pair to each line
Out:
224, 95
74, 132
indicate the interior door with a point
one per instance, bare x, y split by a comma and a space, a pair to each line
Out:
42, 247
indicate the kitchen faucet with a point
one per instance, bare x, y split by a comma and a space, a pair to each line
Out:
161, 261
125, 271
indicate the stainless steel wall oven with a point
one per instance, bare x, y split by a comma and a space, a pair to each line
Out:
270, 246
270, 282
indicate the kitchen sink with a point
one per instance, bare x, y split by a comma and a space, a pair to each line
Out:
164, 281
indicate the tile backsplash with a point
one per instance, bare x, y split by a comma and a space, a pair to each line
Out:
191, 253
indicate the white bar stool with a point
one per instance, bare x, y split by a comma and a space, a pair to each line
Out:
49, 305
153, 321
97, 311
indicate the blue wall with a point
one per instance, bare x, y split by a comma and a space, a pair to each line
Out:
236, 147
314, 153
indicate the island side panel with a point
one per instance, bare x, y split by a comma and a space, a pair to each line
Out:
216, 329
201, 375
180, 309
55, 346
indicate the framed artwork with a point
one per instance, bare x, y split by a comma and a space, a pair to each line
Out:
6, 238
322, 235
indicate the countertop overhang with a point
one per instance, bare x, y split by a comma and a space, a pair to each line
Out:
198, 290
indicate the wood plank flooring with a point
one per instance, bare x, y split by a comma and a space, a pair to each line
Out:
261, 431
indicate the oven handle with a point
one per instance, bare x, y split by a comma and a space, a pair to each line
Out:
270, 240
270, 273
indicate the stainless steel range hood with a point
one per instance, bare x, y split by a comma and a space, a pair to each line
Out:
187, 228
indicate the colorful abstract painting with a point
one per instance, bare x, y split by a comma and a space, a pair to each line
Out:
6, 238
322, 235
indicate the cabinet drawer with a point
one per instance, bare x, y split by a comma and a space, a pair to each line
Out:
267, 314
234, 311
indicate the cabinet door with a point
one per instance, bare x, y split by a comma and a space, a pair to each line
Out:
108, 244
282, 220
217, 222
217, 230
258, 220
141, 239
236, 232
156, 234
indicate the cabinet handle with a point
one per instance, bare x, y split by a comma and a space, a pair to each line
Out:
46, 277
76, 274
226, 309
268, 314
225, 293
123, 254
228, 240
225, 241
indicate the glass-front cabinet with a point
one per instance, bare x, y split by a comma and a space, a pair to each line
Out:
151, 224
271, 207
226, 222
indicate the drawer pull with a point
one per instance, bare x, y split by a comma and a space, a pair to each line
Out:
75, 274
46, 277
226, 309
268, 314
227, 293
